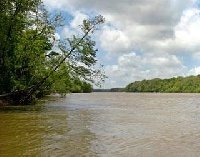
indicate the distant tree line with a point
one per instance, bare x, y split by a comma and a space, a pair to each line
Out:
190, 84
109, 90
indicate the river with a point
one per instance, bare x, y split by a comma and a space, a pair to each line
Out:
104, 125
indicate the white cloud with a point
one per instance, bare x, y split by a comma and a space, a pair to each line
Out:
194, 71
156, 32
132, 67
114, 41
170, 61
58, 4
78, 19
130, 60
187, 31
74, 26
186, 35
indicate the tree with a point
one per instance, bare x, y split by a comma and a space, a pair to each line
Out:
29, 62
78, 54
173, 85
13, 21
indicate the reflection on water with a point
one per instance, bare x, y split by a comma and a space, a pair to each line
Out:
104, 124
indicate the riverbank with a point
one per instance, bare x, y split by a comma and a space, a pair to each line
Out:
3, 103
52, 97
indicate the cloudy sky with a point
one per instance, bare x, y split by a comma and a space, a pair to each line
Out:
141, 39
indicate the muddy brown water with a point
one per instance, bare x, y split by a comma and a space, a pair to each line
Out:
104, 124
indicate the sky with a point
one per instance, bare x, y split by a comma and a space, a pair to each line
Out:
141, 39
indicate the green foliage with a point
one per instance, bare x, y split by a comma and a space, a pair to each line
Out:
86, 87
189, 84
33, 61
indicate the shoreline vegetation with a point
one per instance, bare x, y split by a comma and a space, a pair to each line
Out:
4, 102
33, 60
190, 84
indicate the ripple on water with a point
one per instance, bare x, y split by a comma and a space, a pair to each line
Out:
104, 124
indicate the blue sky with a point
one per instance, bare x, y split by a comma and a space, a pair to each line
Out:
141, 39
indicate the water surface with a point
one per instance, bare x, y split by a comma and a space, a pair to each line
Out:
104, 124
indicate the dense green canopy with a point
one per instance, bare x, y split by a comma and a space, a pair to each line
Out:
190, 84
32, 60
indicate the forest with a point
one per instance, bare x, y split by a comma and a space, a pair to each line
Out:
190, 84
33, 61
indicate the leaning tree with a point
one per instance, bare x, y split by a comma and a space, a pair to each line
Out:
32, 59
